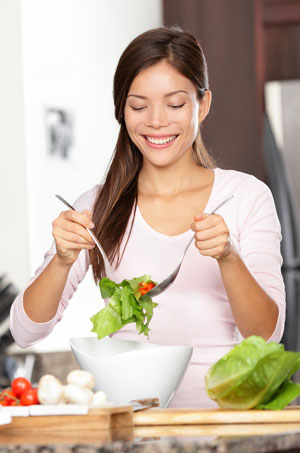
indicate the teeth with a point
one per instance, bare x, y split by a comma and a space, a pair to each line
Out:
160, 141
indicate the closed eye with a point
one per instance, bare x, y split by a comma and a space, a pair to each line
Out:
177, 106
137, 109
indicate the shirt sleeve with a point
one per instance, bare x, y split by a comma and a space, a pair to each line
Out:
27, 332
260, 237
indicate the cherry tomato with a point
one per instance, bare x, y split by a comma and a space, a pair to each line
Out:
3, 401
19, 385
8, 396
16, 403
29, 397
145, 287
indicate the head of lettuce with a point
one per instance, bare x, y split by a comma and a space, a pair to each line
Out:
254, 374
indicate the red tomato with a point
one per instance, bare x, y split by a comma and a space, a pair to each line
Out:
8, 396
16, 403
145, 287
29, 397
19, 385
2, 400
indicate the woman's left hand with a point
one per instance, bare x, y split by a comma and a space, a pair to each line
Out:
211, 235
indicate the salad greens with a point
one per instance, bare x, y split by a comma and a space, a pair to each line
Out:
254, 374
127, 302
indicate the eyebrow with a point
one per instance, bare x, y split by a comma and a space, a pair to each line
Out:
166, 95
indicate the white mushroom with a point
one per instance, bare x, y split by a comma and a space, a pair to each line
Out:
99, 398
76, 394
50, 390
82, 378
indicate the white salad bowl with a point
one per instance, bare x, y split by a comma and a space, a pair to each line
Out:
129, 370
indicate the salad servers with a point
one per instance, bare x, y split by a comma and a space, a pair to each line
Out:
144, 404
105, 259
162, 286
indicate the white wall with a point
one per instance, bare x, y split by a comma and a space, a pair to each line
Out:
14, 245
70, 49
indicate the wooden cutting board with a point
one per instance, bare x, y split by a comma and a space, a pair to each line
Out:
96, 419
116, 423
214, 416
224, 430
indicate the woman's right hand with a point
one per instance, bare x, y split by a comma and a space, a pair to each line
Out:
70, 234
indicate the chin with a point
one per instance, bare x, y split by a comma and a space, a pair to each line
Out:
161, 163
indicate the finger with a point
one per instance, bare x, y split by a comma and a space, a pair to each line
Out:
215, 252
200, 216
65, 245
78, 217
218, 242
208, 221
62, 223
89, 215
71, 232
76, 229
197, 218
212, 232
72, 237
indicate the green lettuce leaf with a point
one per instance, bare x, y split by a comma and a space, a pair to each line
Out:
285, 394
125, 305
107, 287
251, 375
106, 321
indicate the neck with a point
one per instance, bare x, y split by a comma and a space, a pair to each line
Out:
181, 176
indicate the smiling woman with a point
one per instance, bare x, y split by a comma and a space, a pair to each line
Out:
158, 118
159, 189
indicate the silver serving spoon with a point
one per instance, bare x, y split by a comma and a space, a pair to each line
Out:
162, 286
107, 265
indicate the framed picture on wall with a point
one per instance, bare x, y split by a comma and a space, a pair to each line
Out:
60, 132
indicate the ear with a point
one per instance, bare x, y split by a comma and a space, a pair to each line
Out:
204, 106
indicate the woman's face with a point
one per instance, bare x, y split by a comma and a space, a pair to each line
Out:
162, 113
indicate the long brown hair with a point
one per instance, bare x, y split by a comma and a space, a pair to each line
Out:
118, 195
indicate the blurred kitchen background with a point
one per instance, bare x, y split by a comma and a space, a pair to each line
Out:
57, 127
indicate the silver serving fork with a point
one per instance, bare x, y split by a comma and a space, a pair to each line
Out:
105, 259
162, 286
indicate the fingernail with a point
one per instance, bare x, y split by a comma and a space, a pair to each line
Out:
91, 225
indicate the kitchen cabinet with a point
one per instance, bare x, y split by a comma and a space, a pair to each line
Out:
246, 43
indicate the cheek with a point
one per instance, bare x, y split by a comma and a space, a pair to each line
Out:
190, 122
190, 114
132, 121
130, 125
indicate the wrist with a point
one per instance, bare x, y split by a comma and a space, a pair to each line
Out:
230, 255
62, 263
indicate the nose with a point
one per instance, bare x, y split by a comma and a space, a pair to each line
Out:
157, 117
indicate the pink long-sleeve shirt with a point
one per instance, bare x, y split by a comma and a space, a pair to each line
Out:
195, 310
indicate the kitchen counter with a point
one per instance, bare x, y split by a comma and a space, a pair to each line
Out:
260, 438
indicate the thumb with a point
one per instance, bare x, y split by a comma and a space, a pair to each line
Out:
199, 217
87, 213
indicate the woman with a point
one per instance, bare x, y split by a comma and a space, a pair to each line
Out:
160, 187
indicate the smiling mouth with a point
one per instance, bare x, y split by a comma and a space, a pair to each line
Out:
160, 140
